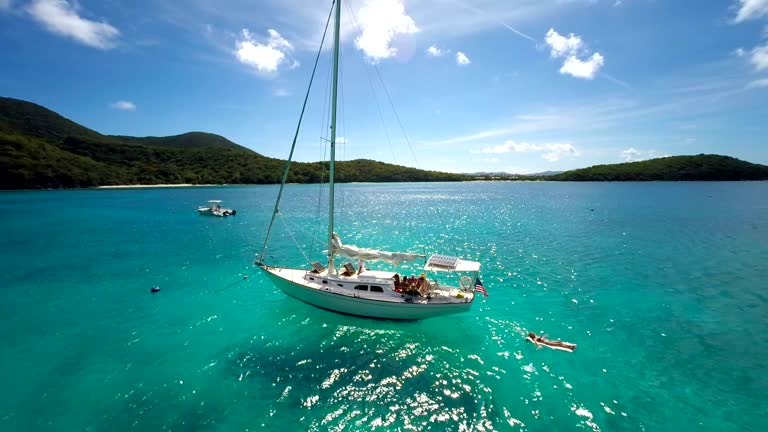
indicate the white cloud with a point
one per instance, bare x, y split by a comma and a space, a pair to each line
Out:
630, 154
551, 152
633, 155
562, 46
280, 92
266, 57
381, 21
751, 9
570, 48
557, 151
124, 105
739, 52
760, 57
434, 51
59, 17
759, 83
5, 4
462, 59
582, 69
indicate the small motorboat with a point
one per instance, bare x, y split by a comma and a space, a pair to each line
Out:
214, 208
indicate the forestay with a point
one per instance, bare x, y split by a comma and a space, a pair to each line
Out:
354, 252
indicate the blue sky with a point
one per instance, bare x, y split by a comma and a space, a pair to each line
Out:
479, 85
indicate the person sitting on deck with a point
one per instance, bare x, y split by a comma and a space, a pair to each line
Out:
421, 285
360, 266
541, 340
409, 285
397, 280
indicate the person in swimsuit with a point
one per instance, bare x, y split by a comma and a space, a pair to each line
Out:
541, 340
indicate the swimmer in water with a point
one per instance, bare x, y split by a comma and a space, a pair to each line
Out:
541, 340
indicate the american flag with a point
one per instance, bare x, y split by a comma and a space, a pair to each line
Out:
480, 288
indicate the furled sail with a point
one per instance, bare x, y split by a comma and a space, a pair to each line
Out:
354, 252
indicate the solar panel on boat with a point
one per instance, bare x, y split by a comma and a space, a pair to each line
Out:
443, 260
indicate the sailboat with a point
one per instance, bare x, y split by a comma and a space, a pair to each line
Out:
359, 291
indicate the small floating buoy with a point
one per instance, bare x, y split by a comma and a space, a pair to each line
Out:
245, 277
155, 289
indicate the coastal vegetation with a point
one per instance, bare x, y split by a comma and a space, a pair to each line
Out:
672, 168
40, 149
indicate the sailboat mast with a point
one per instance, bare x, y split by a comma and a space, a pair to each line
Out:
332, 173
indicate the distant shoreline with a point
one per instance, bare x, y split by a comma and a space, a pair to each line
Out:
155, 186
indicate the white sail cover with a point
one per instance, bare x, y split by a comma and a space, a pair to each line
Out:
354, 252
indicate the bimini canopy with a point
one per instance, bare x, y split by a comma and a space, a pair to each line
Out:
354, 252
447, 263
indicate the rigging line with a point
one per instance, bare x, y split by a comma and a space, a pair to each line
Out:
298, 246
386, 92
302, 230
319, 197
346, 211
243, 279
316, 219
389, 98
326, 108
343, 189
325, 125
373, 93
332, 168
324, 147
293, 145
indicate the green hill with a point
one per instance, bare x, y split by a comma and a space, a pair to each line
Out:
41, 149
672, 168
187, 140
24, 118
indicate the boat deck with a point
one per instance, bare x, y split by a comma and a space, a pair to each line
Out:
372, 281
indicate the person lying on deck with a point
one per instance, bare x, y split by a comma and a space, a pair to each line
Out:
541, 340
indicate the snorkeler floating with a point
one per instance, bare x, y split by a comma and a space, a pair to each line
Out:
541, 340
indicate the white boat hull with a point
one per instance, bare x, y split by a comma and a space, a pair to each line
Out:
347, 303
218, 213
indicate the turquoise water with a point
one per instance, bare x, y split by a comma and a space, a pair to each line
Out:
662, 286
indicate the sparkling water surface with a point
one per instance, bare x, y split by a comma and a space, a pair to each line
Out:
662, 286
